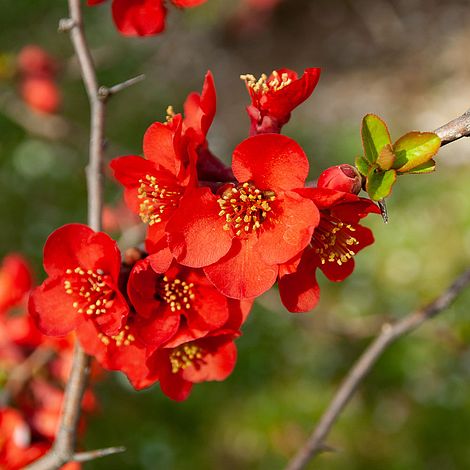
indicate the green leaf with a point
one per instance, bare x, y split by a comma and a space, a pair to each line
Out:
362, 165
386, 158
379, 183
375, 136
414, 149
427, 167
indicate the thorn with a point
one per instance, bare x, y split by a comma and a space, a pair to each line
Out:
383, 210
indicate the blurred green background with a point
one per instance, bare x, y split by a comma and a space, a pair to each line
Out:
406, 60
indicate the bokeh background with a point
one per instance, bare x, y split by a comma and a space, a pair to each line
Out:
406, 60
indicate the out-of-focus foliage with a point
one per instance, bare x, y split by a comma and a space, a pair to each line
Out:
414, 409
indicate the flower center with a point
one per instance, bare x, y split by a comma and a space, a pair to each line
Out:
177, 294
90, 291
245, 207
333, 240
124, 337
156, 199
184, 356
262, 85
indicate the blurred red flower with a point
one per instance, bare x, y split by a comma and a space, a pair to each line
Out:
15, 281
142, 17
41, 94
16, 447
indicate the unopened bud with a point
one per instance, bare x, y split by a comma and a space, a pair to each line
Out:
344, 178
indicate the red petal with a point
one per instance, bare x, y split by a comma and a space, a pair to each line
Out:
159, 147
195, 232
51, 308
130, 169
335, 272
111, 322
282, 102
299, 290
242, 273
271, 161
161, 260
217, 364
209, 309
87, 334
289, 230
355, 211
77, 245
199, 109
172, 385
187, 3
139, 17
141, 289
155, 240
325, 198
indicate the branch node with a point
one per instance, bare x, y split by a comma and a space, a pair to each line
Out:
103, 93
66, 24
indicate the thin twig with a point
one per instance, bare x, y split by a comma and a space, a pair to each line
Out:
96, 454
455, 129
106, 92
389, 334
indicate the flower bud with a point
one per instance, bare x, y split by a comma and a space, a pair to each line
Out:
342, 178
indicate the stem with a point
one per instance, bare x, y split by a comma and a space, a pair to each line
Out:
389, 334
64, 446
455, 129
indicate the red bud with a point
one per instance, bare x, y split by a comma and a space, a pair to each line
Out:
342, 178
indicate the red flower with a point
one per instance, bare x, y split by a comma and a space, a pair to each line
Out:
155, 185
171, 308
273, 98
41, 94
83, 268
16, 448
199, 112
202, 360
33, 61
142, 17
183, 294
334, 243
15, 281
241, 234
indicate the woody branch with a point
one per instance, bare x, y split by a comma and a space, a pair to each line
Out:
450, 132
63, 449
388, 335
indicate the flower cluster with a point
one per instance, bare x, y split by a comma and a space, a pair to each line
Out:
217, 237
37, 72
33, 372
142, 17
